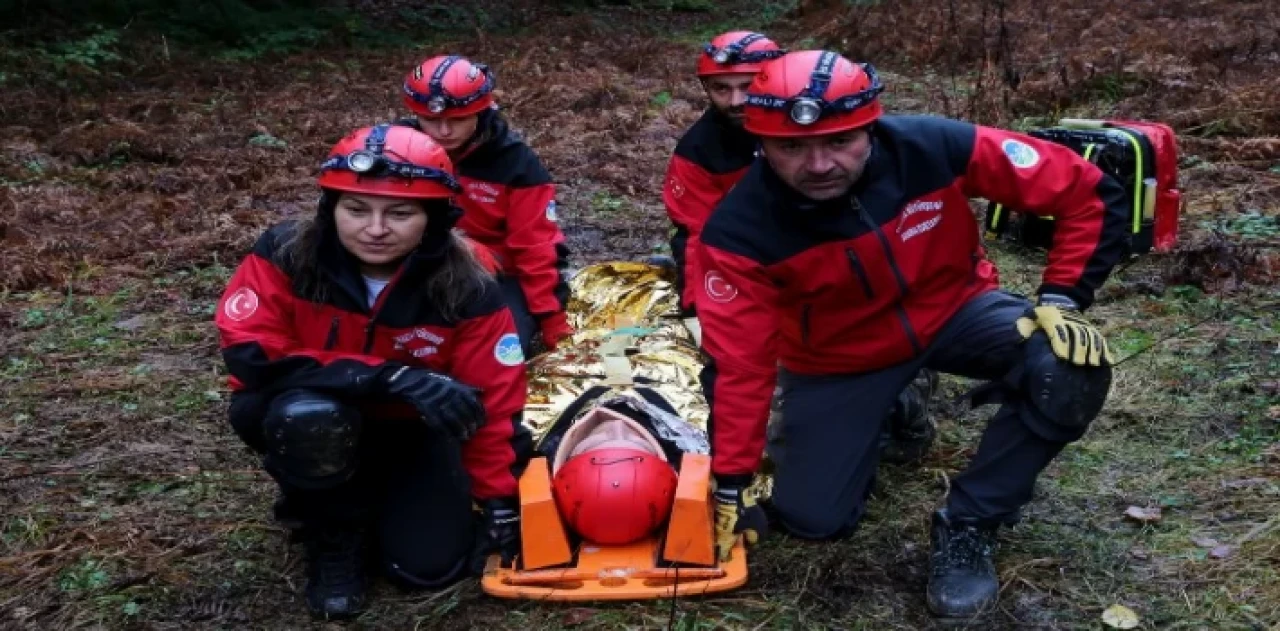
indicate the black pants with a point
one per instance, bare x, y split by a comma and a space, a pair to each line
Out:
526, 325
405, 483
826, 445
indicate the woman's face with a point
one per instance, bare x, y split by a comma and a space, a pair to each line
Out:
379, 231
450, 132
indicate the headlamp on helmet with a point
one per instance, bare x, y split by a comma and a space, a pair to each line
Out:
362, 161
436, 104
805, 111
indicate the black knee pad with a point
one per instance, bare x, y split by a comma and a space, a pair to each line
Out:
1060, 399
311, 439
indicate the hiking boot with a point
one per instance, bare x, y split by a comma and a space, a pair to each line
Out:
962, 575
336, 581
910, 431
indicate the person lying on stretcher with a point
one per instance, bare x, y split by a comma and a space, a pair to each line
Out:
614, 460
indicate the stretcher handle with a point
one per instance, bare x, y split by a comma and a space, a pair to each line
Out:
535, 578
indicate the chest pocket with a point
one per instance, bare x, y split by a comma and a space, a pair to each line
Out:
863, 280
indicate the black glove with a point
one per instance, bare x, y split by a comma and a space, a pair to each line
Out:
500, 531
443, 403
737, 513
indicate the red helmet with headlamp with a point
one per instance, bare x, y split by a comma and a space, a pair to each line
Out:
811, 93
449, 86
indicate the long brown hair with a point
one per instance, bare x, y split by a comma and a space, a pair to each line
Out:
455, 280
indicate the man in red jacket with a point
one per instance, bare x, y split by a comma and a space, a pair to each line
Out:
714, 153
709, 159
508, 197
846, 261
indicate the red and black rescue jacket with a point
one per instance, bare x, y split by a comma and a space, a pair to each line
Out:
274, 340
509, 206
709, 159
866, 281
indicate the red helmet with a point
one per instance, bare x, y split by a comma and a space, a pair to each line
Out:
737, 52
615, 496
811, 93
449, 85
394, 161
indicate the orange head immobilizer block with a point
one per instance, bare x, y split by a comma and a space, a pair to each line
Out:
679, 561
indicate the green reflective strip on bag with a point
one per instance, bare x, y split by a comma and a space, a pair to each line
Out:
1137, 178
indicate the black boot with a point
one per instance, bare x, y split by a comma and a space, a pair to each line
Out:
336, 581
962, 575
910, 431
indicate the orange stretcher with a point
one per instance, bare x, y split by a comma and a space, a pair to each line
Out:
679, 561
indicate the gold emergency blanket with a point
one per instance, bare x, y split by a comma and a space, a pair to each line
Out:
613, 305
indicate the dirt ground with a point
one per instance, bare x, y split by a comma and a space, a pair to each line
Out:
126, 502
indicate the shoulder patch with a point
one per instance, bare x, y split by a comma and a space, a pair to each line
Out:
241, 305
677, 187
1020, 154
507, 351
719, 289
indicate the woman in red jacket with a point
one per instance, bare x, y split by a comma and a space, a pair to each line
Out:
378, 372
508, 197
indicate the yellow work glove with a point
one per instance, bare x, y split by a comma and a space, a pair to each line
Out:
1071, 337
737, 513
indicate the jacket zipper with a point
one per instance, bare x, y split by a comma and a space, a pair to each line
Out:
376, 311
332, 339
860, 271
804, 324
368, 338
897, 274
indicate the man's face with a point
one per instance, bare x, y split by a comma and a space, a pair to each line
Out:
820, 167
728, 92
